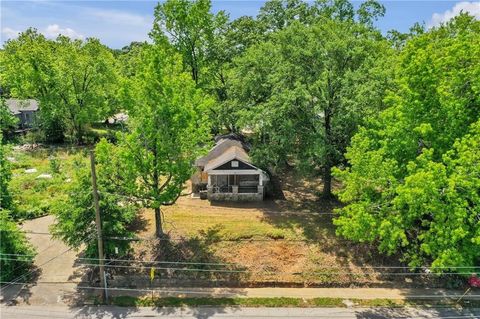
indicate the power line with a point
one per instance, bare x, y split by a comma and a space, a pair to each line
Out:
233, 264
34, 270
431, 296
282, 273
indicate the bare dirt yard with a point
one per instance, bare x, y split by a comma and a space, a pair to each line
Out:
288, 242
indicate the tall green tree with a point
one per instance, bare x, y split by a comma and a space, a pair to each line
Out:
75, 213
190, 27
75, 81
168, 129
5, 176
306, 90
412, 180
8, 121
12, 241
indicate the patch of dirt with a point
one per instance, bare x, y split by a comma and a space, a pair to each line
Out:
289, 242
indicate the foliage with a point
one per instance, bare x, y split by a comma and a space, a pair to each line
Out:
75, 214
74, 81
191, 28
8, 121
168, 130
304, 92
414, 176
5, 177
12, 240
33, 196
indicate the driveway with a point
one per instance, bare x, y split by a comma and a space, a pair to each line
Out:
55, 262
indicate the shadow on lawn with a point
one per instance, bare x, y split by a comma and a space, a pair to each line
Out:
305, 211
192, 259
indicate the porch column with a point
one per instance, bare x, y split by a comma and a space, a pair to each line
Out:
209, 187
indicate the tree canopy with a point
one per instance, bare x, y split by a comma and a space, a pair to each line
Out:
412, 180
305, 91
168, 130
75, 81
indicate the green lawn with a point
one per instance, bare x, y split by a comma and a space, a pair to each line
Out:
148, 301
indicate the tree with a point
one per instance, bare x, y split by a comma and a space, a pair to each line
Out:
75, 213
278, 14
370, 11
74, 81
168, 129
5, 176
8, 121
305, 91
413, 170
190, 27
12, 241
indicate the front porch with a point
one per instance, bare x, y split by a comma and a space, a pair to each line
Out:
235, 186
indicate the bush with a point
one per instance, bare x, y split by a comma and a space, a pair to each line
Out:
13, 242
75, 215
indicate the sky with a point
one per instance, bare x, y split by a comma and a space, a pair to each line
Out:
117, 23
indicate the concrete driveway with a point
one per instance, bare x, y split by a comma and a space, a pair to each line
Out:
55, 262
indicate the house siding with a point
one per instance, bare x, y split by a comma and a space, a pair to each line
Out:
228, 166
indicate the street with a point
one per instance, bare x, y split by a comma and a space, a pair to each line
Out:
110, 312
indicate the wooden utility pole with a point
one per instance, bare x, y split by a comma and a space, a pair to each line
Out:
98, 222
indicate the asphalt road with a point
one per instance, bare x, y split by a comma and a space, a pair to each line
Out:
108, 312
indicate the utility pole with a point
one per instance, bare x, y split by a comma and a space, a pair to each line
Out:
98, 222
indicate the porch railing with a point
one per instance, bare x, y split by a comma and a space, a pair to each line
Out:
248, 189
222, 189
241, 189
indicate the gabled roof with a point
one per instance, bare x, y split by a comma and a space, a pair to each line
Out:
16, 106
223, 143
234, 152
217, 151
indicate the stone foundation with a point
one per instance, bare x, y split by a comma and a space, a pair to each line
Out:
235, 196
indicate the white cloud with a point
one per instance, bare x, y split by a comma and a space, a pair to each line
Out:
473, 8
121, 17
54, 30
9, 33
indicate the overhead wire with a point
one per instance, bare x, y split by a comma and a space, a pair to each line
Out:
205, 290
233, 264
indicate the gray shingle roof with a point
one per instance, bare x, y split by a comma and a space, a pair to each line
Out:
16, 106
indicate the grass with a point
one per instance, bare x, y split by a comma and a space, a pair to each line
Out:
33, 196
130, 301
266, 221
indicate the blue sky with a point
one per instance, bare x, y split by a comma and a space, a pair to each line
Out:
117, 23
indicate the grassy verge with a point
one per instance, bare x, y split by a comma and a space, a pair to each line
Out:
130, 301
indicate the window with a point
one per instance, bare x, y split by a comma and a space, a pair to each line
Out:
234, 163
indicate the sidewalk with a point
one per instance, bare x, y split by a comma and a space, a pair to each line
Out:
306, 293
64, 293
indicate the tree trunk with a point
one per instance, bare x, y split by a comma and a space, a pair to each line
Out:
327, 173
327, 182
158, 223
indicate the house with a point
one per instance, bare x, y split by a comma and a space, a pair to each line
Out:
227, 174
24, 110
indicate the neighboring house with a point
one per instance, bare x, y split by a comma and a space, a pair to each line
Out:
24, 110
226, 172
118, 118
